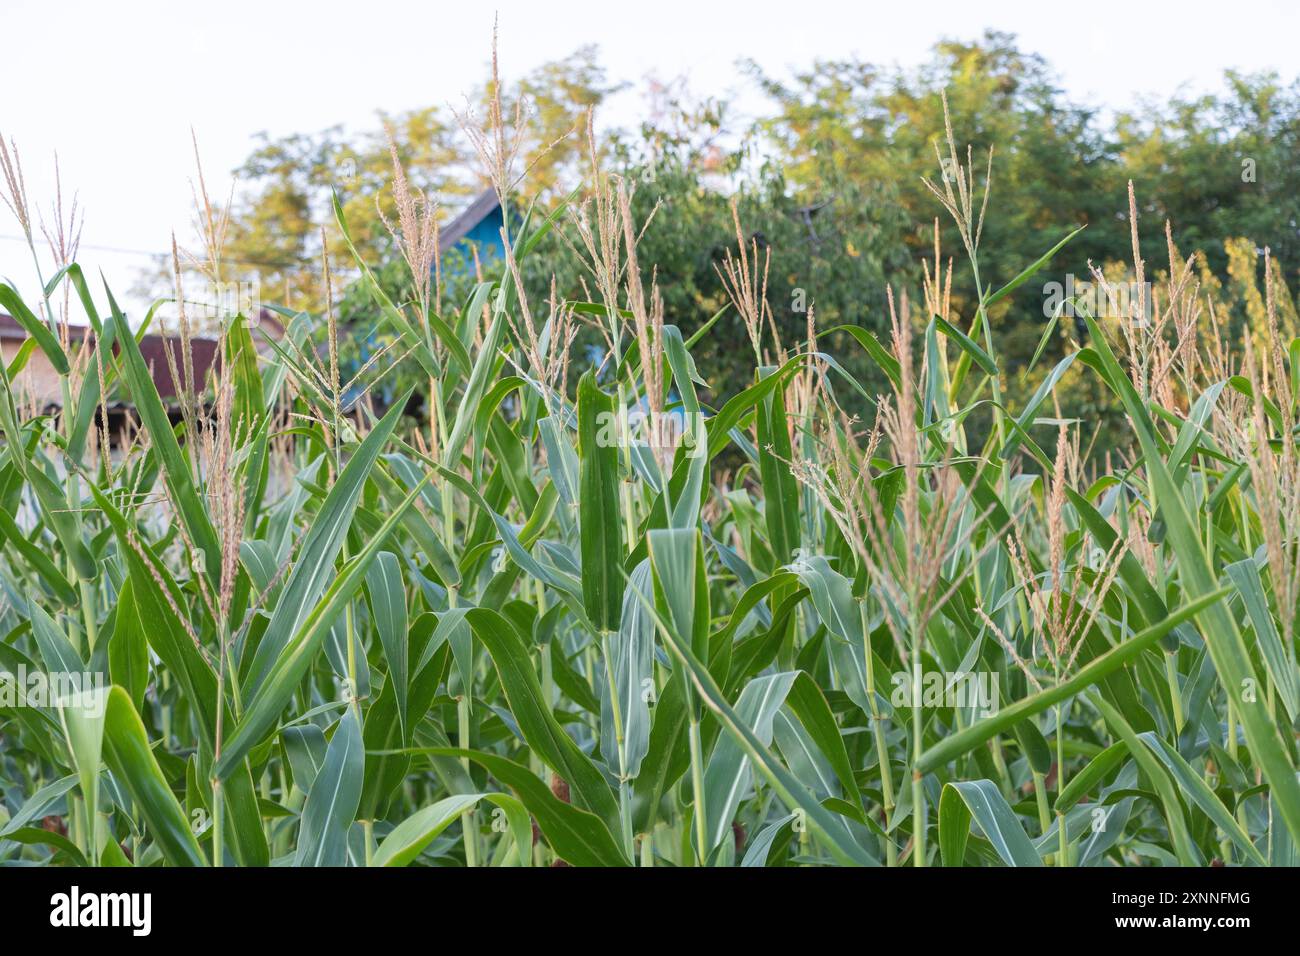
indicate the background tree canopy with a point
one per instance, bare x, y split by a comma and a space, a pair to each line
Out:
829, 178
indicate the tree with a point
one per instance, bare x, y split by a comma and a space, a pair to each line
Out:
1219, 167
830, 183
287, 183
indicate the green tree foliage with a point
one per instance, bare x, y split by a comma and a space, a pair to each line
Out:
1220, 167
829, 181
284, 198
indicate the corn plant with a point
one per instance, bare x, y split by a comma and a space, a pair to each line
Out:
544, 627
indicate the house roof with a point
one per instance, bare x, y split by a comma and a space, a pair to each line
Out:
11, 328
483, 206
154, 349
268, 324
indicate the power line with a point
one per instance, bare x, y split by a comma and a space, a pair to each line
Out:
120, 250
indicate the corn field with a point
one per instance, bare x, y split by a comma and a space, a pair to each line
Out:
545, 627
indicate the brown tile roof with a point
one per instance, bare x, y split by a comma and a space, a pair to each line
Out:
458, 228
11, 328
154, 348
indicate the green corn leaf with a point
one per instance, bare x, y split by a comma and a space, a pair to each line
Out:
984, 803
830, 828
335, 795
38, 330
127, 753
536, 722
175, 464
1193, 786
1155, 772
1081, 783
1277, 659
599, 521
1222, 638
388, 609
578, 836
406, 840
284, 676
313, 568
965, 740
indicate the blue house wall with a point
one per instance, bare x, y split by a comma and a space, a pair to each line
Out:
486, 235
477, 228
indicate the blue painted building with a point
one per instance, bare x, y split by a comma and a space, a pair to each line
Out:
478, 227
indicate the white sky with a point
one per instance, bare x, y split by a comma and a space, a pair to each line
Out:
115, 87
